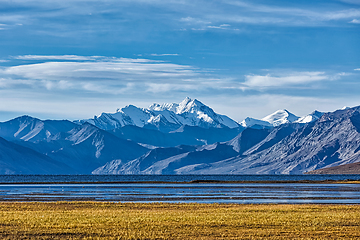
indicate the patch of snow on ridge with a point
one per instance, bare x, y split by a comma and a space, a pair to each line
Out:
249, 122
163, 107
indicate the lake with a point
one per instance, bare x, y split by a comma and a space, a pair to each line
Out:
180, 188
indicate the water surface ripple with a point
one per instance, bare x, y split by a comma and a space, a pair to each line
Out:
185, 192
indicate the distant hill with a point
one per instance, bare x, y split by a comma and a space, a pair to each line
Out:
351, 168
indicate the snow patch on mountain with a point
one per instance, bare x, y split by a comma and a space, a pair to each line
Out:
252, 122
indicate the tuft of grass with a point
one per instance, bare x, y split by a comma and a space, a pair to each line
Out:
97, 220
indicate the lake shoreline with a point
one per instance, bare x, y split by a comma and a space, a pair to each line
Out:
329, 181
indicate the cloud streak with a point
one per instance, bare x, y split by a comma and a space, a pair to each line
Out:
128, 76
356, 21
240, 13
104, 75
164, 54
281, 80
57, 57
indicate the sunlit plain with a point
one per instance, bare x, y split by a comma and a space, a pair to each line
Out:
87, 220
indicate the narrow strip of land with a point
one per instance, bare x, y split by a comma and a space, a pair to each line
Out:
352, 181
36, 220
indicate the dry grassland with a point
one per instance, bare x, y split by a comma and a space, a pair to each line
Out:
96, 220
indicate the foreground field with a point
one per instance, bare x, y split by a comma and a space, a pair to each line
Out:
61, 220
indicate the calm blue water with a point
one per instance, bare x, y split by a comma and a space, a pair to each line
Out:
126, 188
167, 178
199, 192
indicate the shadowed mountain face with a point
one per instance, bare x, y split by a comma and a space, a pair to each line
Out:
247, 139
82, 148
291, 148
140, 164
31, 129
185, 135
92, 147
16, 159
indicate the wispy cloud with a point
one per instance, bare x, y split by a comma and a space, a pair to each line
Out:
56, 57
356, 21
286, 79
192, 21
104, 74
129, 75
164, 54
222, 26
357, 69
338, 15
248, 12
308, 13
81, 58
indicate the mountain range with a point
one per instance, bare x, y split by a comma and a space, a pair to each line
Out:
184, 138
165, 117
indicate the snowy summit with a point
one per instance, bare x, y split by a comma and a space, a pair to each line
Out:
165, 117
280, 117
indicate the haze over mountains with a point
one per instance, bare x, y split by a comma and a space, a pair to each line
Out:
184, 138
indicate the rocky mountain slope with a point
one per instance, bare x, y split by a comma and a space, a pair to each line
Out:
185, 135
16, 159
31, 129
80, 147
291, 148
350, 168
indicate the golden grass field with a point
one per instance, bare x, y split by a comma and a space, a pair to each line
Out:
96, 220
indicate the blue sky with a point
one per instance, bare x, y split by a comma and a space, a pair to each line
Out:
75, 58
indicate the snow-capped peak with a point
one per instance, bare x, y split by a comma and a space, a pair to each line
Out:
186, 105
280, 117
189, 105
170, 116
315, 115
